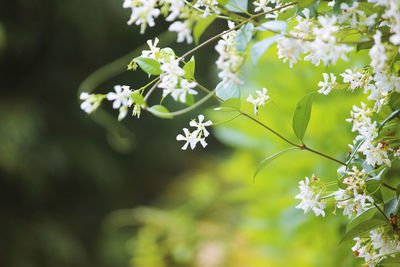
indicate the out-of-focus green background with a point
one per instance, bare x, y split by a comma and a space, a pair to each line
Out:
88, 191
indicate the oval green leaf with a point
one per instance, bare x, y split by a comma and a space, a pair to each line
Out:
189, 69
149, 65
362, 228
302, 115
226, 90
201, 26
268, 160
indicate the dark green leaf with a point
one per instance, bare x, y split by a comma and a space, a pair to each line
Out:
377, 177
268, 160
243, 36
189, 69
258, 49
226, 90
356, 147
362, 228
390, 206
149, 65
302, 115
389, 118
201, 26
363, 216
160, 111
394, 100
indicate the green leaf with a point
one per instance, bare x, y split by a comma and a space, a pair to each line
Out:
243, 36
287, 13
273, 25
363, 216
362, 228
302, 115
391, 206
268, 160
189, 69
138, 99
231, 104
189, 99
356, 147
237, 6
391, 261
160, 111
201, 26
394, 100
258, 49
222, 2
149, 65
226, 90
304, 3
376, 177
389, 118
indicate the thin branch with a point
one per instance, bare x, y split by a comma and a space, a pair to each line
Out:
388, 186
323, 155
382, 212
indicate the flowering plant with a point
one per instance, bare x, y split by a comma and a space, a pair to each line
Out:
321, 32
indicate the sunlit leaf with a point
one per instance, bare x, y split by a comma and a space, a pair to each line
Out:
149, 65
243, 36
302, 115
189, 69
226, 90
258, 49
268, 160
236, 5
138, 98
273, 25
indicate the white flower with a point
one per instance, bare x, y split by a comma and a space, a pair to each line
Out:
260, 100
120, 97
152, 53
189, 138
209, 5
355, 79
309, 200
377, 53
201, 127
289, 49
186, 88
172, 68
175, 7
375, 155
90, 103
183, 31
326, 86
143, 12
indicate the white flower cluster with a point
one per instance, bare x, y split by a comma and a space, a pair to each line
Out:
326, 85
209, 5
316, 40
90, 102
145, 11
310, 200
375, 152
353, 199
198, 135
259, 100
392, 17
268, 5
376, 247
229, 59
354, 16
172, 81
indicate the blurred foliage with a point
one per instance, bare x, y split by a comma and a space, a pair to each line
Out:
68, 183
215, 216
